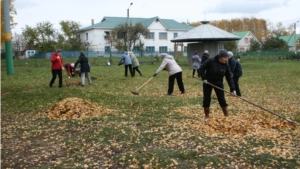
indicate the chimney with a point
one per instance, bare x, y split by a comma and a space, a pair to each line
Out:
92, 21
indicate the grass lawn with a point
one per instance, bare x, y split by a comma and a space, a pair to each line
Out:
152, 129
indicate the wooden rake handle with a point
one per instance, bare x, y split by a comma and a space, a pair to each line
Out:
144, 83
289, 120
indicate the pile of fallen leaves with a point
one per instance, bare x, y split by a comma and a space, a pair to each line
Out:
243, 124
246, 124
75, 108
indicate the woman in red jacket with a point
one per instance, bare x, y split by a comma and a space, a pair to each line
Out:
57, 67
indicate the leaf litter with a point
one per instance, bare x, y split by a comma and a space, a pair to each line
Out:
238, 128
75, 108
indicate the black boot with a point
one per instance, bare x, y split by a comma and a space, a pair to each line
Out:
206, 112
224, 109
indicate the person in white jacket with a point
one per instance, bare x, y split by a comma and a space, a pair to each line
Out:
175, 72
135, 64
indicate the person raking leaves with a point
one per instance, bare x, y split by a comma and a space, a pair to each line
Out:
212, 72
175, 72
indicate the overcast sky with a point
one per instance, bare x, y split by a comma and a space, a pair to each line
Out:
31, 12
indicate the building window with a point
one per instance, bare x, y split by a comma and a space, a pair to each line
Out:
175, 35
246, 41
150, 49
185, 48
163, 49
86, 36
107, 49
106, 36
163, 35
150, 35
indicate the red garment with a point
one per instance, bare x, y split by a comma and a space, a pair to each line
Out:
69, 68
57, 64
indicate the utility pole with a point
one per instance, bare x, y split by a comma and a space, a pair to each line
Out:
128, 27
7, 38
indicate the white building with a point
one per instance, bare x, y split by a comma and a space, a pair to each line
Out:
244, 43
158, 41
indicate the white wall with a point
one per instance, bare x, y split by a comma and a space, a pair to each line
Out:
97, 41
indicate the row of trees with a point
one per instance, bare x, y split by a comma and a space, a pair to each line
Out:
261, 29
44, 37
266, 32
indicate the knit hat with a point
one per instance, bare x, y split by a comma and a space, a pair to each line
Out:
196, 52
223, 53
72, 64
206, 51
230, 54
58, 51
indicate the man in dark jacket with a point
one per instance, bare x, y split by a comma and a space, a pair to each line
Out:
84, 68
212, 71
236, 70
205, 56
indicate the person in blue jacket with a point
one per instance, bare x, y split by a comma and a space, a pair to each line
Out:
236, 70
126, 60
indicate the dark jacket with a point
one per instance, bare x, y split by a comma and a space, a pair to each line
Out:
84, 63
205, 56
213, 71
235, 67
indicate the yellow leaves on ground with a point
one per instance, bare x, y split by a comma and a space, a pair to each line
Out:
240, 125
75, 108
236, 129
73, 83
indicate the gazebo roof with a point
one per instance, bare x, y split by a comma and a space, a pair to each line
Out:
205, 32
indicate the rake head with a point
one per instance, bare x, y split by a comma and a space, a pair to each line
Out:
135, 92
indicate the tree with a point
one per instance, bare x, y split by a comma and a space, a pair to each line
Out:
135, 34
43, 36
254, 45
124, 35
12, 23
278, 30
230, 45
19, 43
70, 40
111, 39
274, 43
257, 26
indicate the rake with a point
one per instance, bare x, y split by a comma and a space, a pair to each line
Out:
280, 116
136, 91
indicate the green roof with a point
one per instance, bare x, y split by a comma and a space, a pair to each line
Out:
290, 39
241, 35
112, 22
